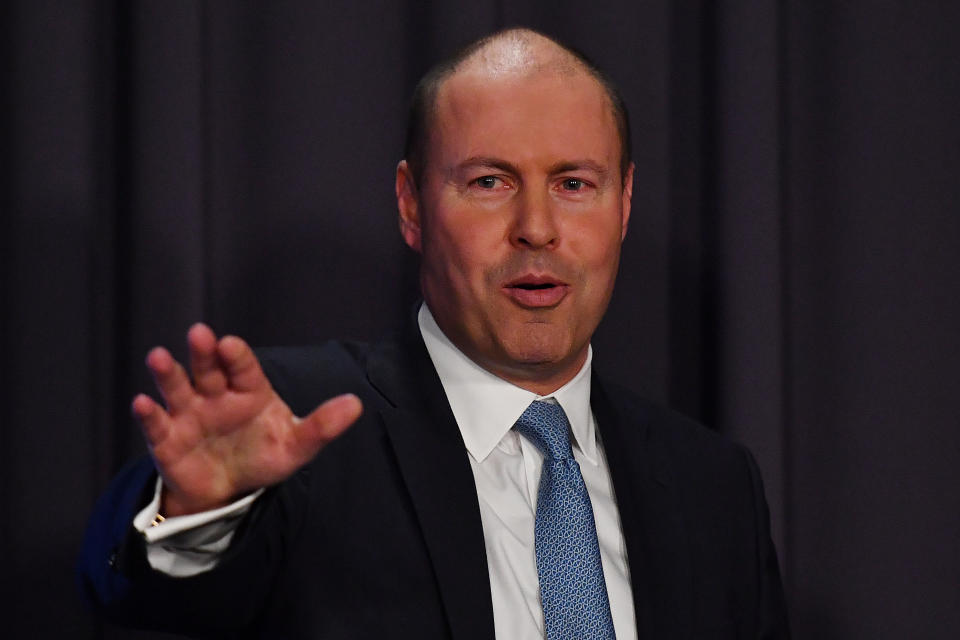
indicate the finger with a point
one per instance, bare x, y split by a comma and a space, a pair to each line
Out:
327, 422
153, 419
171, 379
209, 378
241, 365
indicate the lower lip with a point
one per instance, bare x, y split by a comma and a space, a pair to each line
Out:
537, 298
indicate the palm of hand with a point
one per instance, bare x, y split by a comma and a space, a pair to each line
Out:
227, 432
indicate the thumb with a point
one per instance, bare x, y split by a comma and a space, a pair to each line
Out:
328, 421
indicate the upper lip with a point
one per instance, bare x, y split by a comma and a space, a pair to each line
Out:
534, 280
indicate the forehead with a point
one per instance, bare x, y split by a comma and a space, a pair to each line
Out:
548, 116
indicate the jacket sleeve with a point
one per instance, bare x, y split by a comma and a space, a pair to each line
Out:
120, 585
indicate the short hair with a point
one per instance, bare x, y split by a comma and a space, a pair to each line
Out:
423, 101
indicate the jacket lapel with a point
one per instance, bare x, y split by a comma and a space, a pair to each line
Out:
653, 529
433, 462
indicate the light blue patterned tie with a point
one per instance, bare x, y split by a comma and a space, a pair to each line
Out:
572, 588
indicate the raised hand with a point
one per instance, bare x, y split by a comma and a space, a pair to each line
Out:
227, 433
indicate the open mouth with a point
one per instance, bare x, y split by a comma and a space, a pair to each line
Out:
536, 292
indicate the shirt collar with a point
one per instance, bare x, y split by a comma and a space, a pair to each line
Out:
486, 407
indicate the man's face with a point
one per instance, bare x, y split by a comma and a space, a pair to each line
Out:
519, 219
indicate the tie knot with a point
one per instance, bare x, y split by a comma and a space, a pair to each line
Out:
545, 425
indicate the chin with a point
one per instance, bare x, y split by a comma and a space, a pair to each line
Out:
537, 346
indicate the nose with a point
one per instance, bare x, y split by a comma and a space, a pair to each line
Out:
534, 222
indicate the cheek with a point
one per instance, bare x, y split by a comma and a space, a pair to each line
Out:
467, 242
599, 256
456, 257
597, 247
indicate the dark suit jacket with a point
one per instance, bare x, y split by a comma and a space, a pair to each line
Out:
380, 536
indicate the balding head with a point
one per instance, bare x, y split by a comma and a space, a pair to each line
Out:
512, 52
519, 52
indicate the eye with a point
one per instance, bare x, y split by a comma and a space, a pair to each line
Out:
487, 182
572, 184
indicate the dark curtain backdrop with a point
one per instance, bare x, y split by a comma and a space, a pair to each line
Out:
790, 278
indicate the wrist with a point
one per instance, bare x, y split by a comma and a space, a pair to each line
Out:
173, 504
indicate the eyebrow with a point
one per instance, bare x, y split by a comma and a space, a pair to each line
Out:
580, 165
560, 167
486, 162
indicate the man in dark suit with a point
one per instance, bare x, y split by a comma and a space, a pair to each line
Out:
436, 515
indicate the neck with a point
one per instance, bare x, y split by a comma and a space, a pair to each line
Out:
541, 379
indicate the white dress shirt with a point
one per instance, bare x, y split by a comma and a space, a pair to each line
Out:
506, 468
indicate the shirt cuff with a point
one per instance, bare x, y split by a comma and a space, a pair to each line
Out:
179, 524
183, 546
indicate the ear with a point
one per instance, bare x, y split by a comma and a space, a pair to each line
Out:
626, 197
408, 205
